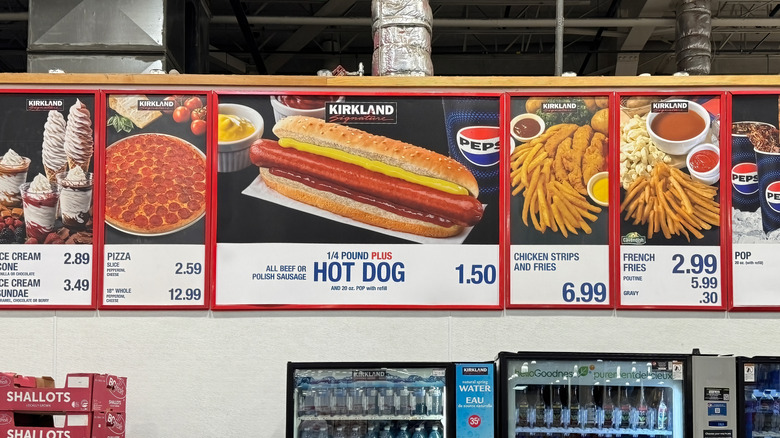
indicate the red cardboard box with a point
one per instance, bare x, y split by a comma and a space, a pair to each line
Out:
71, 425
83, 392
108, 425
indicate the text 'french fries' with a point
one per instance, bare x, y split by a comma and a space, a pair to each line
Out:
670, 202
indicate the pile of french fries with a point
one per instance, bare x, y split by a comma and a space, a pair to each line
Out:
550, 202
669, 201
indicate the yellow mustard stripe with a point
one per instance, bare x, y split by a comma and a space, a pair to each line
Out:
376, 166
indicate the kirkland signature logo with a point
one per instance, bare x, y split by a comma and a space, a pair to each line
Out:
475, 371
369, 374
45, 105
361, 112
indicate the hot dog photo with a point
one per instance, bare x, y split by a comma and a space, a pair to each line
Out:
357, 169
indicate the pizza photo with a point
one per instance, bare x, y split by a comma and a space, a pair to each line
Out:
155, 184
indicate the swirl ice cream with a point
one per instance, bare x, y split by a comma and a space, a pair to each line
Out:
53, 150
75, 198
79, 144
13, 173
39, 200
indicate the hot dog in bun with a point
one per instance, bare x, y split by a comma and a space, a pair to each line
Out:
368, 178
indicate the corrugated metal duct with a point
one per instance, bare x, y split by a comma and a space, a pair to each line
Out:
402, 37
694, 28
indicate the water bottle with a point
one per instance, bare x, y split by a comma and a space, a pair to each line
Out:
435, 407
370, 396
521, 406
320, 432
404, 407
372, 432
434, 432
339, 401
339, 432
765, 405
355, 433
663, 415
418, 432
355, 401
386, 433
386, 401
307, 432
402, 432
306, 402
599, 415
418, 402
322, 401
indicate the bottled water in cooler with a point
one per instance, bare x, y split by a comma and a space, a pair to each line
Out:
372, 432
435, 407
339, 433
404, 402
386, 432
418, 432
355, 433
402, 433
434, 432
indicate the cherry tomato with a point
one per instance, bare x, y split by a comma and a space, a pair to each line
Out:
181, 114
198, 114
198, 127
193, 102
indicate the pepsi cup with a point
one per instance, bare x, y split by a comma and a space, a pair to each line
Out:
744, 176
473, 136
768, 164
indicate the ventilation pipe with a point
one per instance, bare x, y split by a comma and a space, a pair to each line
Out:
694, 27
402, 37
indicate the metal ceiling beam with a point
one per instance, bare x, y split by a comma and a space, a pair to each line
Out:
249, 38
301, 37
501, 22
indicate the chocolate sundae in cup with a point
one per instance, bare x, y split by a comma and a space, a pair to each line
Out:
75, 198
13, 173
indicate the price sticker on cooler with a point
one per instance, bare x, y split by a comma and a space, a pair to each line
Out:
670, 254
559, 207
155, 201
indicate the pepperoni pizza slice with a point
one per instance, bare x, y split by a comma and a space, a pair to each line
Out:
155, 184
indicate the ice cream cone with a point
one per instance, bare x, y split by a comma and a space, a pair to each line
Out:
51, 174
83, 165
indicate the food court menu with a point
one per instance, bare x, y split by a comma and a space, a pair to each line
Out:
155, 200
357, 200
46, 181
755, 199
559, 208
670, 212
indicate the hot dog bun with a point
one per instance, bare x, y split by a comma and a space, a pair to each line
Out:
354, 210
412, 158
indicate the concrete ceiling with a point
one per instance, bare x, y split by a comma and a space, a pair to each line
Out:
476, 37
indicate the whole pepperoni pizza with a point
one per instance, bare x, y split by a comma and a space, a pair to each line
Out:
155, 184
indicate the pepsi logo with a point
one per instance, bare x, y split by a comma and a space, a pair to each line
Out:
772, 194
5, 381
480, 144
6, 419
744, 178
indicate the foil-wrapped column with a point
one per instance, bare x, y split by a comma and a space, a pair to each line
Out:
402, 37
694, 26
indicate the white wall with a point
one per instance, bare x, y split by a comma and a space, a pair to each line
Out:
205, 374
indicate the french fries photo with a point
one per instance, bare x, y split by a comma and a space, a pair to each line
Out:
551, 173
671, 203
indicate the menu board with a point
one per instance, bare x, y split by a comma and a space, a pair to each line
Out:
559, 209
155, 200
755, 199
670, 214
358, 200
46, 180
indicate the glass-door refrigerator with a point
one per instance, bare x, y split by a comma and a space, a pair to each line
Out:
369, 400
758, 386
594, 395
